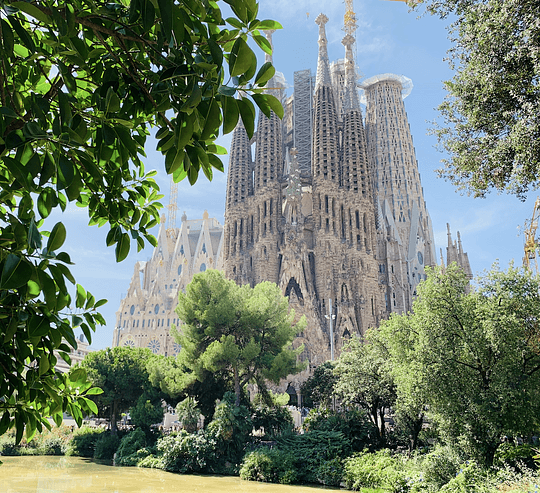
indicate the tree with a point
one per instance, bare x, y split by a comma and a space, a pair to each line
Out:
319, 387
81, 85
473, 354
237, 330
122, 375
174, 380
491, 123
363, 379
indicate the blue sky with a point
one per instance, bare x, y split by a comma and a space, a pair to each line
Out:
390, 38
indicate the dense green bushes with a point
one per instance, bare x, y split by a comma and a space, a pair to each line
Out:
376, 470
83, 442
269, 466
54, 442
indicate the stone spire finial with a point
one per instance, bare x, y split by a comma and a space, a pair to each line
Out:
323, 64
268, 34
351, 101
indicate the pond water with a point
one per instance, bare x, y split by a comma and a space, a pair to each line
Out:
49, 474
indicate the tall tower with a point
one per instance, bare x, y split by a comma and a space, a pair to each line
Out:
405, 230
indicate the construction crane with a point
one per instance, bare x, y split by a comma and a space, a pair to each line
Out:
530, 260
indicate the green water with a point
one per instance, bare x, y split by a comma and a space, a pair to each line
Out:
76, 475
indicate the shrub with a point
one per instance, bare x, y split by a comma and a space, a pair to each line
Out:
274, 420
441, 465
269, 465
470, 478
151, 462
106, 446
518, 456
330, 473
375, 470
83, 441
186, 453
126, 454
188, 414
311, 450
7, 444
354, 424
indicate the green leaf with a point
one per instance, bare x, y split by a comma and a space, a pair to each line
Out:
57, 237
112, 101
122, 247
45, 202
91, 405
265, 73
166, 14
78, 376
247, 112
263, 43
94, 391
241, 58
17, 272
38, 326
230, 114
233, 21
216, 52
216, 162
34, 236
43, 364
66, 172
32, 10
8, 41
268, 24
212, 123
22, 33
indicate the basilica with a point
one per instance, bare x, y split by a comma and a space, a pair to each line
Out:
327, 203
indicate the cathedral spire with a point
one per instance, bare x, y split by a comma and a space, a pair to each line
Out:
239, 182
351, 101
325, 127
323, 64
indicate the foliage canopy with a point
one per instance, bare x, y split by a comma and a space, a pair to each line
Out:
472, 355
491, 123
81, 85
245, 333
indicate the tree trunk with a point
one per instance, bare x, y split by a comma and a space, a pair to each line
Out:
237, 387
114, 412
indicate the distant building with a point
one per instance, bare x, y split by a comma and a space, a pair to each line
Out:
146, 314
76, 355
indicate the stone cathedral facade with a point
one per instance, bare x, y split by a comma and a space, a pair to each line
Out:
147, 312
330, 204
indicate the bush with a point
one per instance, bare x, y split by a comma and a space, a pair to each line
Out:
330, 473
187, 453
270, 466
518, 456
354, 424
106, 446
275, 421
376, 470
127, 453
83, 441
470, 478
441, 465
312, 450
151, 462
7, 444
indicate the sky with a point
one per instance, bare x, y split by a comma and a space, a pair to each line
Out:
389, 39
